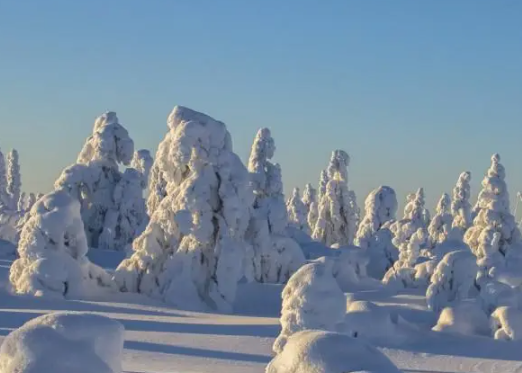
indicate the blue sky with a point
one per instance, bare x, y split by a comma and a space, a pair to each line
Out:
415, 91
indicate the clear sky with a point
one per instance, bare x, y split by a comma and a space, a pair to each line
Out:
415, 91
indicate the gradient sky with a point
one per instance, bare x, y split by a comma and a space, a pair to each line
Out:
415, 91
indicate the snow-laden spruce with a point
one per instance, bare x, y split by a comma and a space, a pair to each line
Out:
374, 234
453, 280
297, 212
53, 252
4, 200
460, 206
318, 351
127, 217
494, 234
192, 252
440, 226
276, 256
403, 272
312, 299
64, 342
94, 178
14, 180
309, 197
338, 213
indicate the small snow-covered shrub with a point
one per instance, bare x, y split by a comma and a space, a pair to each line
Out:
368, 320
506, 323
453, 280
53, 250
374, 234
494, 294
64, 342
312, 299
466, 318
316, 351
349, 267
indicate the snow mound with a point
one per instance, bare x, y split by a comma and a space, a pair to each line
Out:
506, 323
466, 318
312, 299
350, 266
495, 294
368, 320
64, 342
314, 351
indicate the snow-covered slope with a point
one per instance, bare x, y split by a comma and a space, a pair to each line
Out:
160, 339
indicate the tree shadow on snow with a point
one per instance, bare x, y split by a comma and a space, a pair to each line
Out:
252, 330
191, 351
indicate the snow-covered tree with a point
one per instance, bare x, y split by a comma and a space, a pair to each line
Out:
94, 177
276, 255
453, 280
14, 180
460, 206
53, 249
127, 218
191, 253
297, 215
312, 299
20, 206
309, 196
374, 234
494, 232
440, 226
31, 200
338, 212
4, 200
403, 271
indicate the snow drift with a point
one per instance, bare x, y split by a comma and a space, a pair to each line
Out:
63, 343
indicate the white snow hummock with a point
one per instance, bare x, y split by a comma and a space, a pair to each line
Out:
192, 252
94, 178
453, 280
338, 213
465, 318
53, 249
312, 299
276, 256
374, 234
64, 342
506, 323
368, 320
317, 351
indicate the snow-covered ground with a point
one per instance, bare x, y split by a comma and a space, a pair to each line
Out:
162, 339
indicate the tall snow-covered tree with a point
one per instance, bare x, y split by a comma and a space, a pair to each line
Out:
440, 226
14, 180
338, 216
460, 206
374, 234
20, 206
416, 216
191, 253
276, 255
297, 215
127, 218
53, 249
494, 233
94, 177
4, 200
310, 201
